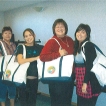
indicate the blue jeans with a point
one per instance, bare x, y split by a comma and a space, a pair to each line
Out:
4, 89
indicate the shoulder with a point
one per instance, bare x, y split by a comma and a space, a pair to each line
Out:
69, 39
89, 45
52, 41
20, 46
39, 46
19, 49
90, 48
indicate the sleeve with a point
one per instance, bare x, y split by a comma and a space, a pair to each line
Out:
19, 50
90, 55
50, 51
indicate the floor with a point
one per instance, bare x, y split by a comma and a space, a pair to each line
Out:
41, 101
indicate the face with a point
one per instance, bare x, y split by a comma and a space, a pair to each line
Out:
29, 38
7, 35
60, 30
81, 35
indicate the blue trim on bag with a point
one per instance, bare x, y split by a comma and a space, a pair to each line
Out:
17, 84
2, 64
60, 66
55, 79
14, 73
1, 73
43, 69
102, 65
13, 54
99, 49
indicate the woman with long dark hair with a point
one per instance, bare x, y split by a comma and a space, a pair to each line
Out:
87, 86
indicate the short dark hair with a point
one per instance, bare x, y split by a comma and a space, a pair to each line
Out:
59, 21
6, 28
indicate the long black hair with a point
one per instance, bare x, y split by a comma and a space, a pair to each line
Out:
77, 47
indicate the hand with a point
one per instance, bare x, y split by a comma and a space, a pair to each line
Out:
62, 52
84, 87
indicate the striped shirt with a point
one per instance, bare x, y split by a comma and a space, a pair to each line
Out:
9, 48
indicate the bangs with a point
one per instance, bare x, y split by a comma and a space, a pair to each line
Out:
80, 28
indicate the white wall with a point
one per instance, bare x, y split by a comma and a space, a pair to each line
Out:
73, 12
1, 21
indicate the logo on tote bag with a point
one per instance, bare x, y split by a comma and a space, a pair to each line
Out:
51, 69
8, 73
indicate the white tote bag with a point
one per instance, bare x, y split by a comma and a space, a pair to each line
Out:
4, 59
59, 69
99, 65
15, 72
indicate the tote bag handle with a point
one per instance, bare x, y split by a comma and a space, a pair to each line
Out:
3, 48
96, 47
57, 42
24, 52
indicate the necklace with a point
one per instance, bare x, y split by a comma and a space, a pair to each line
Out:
64, 42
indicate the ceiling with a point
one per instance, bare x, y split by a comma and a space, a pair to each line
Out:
6, 5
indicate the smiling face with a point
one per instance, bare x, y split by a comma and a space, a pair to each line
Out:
29, 38
81, 35
7, 35
60, 30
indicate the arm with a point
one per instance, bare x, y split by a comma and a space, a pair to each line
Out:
21, 60
52, 51
90, 55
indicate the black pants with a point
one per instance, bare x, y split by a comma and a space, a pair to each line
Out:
28, 94
86, 102
61, 93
